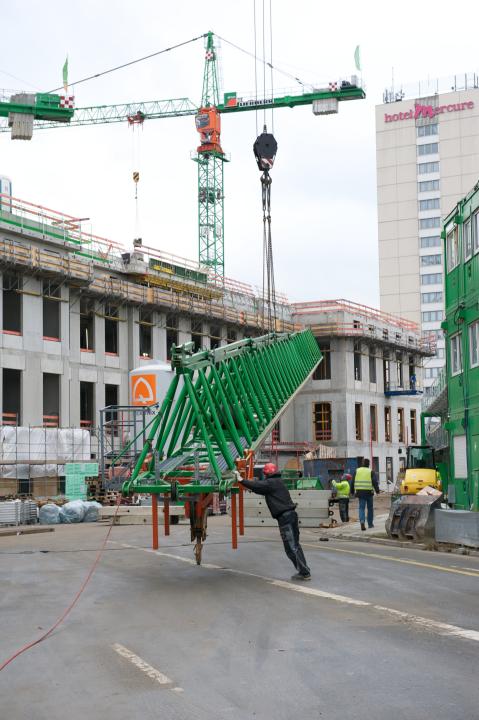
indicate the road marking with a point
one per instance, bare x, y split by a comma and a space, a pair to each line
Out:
145, 667
378, 556
427, 623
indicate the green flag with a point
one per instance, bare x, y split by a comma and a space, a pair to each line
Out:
65, 75
357, 58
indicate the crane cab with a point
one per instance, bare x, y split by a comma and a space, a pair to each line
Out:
208, 124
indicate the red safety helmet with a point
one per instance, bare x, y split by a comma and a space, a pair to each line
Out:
270, 469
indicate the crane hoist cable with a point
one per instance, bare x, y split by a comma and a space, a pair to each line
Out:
265, 148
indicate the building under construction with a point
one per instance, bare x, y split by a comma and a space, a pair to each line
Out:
79, 312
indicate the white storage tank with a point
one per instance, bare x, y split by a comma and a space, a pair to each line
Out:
149, 383
5, 194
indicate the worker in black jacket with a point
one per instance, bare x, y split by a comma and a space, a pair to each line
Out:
283, 510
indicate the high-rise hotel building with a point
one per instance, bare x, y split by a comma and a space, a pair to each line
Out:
427, 149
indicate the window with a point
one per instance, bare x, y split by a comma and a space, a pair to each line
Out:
412, 373
428, 186
322, 421
426, 130
475, 232
87, 325
111, 395
215, 336
430, 204
231, 335
427, 223
87, 412
146, 334
467, 239
432, 315
452, 249
431, 373
171, 333
431, 279
373, 423
111, 329
399, 370
12, 397
51, 400
428, 167
431, 297
197, 334
474, 343
456, 354
51, 310
387, 424
413, 424
357, 361
431, 241
372, 366
428, 148
323, 371
358, 420
276, 433
400, 425
427, 260
386, 371
440, 354
12, 304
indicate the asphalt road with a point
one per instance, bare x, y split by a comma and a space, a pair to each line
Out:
379, 632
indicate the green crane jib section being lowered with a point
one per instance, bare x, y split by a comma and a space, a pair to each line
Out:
220, 403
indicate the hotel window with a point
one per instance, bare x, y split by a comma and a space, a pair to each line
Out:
428, 185
474, 343
413, 423
322, 421
456, 354
358, 420
427, 130
428, 223
432, 315
431, 241
400, 425
428, 148
431, 279
373, 423
429, 167
323, 371
429, 204
431, 297
427, 260
467, 239
387, 424
452, 248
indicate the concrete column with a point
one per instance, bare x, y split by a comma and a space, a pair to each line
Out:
184, 330
159, 338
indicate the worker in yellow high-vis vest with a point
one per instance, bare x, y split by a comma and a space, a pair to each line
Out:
364, 484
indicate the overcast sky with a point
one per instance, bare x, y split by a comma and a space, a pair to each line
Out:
324, 186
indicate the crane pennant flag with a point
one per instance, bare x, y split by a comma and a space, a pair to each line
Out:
65, 75
357, 58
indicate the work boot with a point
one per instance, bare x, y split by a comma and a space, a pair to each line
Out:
298, 576
363, 526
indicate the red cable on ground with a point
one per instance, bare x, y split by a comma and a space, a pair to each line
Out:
75, 599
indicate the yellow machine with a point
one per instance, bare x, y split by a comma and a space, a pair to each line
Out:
420, 470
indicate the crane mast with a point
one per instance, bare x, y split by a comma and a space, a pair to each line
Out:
210, 159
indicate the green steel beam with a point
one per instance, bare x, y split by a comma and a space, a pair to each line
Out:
229, 400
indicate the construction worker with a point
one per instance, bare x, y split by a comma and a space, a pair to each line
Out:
343, 489
364, 482
283, 510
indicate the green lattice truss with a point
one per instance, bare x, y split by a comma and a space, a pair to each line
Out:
219, 404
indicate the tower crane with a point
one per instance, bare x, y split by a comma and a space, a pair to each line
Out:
44, 110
